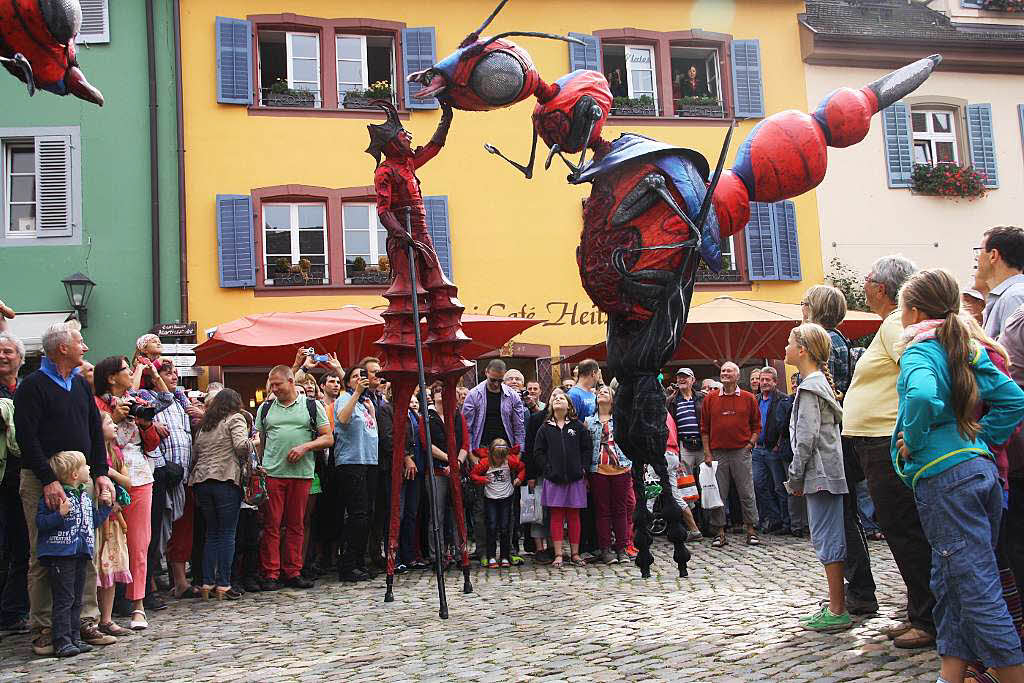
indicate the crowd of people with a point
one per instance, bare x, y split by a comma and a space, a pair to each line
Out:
120, 490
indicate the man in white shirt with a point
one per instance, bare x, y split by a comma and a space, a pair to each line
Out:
1000, 265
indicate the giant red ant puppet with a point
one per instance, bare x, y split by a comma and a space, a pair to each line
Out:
654, 208
37, 46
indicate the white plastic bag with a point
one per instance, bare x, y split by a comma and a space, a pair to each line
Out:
710, 497
530, 509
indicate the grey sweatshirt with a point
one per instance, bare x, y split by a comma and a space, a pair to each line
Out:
814, 433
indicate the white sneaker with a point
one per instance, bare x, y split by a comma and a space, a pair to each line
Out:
138, 623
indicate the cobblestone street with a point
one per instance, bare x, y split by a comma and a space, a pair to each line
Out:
733, 619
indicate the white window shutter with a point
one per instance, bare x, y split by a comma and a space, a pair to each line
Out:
54, 217
95, 22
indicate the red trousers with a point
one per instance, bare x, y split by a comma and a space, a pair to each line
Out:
286, 501
179, 547
610, 496
558, 517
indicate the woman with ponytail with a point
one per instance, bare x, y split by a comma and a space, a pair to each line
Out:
816, 471
944, 453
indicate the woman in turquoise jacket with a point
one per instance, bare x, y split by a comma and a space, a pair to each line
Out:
941, 451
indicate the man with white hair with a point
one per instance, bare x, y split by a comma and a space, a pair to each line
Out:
13, 532
730, 424
54, 411
869, 417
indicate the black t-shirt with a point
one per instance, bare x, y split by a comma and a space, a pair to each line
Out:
494, 428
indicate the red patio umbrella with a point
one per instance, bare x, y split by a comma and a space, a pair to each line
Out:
349, 331
726, 328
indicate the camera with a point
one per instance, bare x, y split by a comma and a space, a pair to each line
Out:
140, 411
318, 357
197, 395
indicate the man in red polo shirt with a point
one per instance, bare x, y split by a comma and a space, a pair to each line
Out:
730, 424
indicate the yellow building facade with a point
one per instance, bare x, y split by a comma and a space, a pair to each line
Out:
287, 149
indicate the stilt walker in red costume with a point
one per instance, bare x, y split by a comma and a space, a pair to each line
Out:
409, 361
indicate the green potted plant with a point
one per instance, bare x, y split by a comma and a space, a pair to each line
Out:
948, 180
363, 99
703, 106
1002, 5
280, 95
634, 106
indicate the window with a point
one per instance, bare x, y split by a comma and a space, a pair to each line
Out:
696, 82
40, 186
365, 245
934, 137
366, 69
295, 244
730, 266
631, 73
289, 68
20, 189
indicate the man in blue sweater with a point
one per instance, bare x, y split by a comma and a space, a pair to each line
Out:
54, 411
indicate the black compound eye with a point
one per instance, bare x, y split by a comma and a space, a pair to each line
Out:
498, 78
63, 18
576, 141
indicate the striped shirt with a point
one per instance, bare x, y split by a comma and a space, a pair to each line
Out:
686, 417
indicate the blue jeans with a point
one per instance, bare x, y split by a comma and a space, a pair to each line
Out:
866, 508
408, 506
960, 511
219, 502
769, 473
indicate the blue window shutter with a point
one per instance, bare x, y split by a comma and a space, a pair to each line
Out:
899, 150
747, 88
787, 240
585, 56
1020, 115
440, 230
234, 61
761, 259
236, 254
982, 141
418, 53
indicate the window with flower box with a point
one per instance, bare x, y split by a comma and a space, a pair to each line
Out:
289, 69
935, 139
366, 256
366, 70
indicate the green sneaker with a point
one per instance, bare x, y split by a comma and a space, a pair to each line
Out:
826, 622
816, 615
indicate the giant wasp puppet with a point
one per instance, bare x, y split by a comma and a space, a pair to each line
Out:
654, 211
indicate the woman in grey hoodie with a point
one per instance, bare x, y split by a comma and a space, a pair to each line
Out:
816, 471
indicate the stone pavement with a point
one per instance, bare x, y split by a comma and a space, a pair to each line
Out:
733, 619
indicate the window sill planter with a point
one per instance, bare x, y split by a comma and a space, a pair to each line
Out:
630, 106
702, 111
705, 274
1002, 5
948, 180
303, 99
368, 277
361, 101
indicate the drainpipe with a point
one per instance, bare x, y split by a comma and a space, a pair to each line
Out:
182, 237
154, 159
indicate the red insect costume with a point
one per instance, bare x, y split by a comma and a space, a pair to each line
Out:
401, 211
37, 46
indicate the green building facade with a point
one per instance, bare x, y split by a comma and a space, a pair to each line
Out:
100, 158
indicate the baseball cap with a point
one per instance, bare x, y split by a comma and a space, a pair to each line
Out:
684, 371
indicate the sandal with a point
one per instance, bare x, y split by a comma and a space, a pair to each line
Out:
578, 561
112, 629
876, 536
138, 624
190, 592
557, 562
719, 541
752, 539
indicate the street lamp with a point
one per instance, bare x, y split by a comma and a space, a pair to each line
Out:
79, 288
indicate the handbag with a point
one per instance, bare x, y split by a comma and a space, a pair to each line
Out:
692, 442
687, 485
530, 509
174, 474
710, 497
